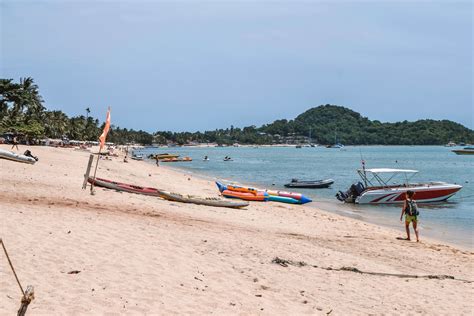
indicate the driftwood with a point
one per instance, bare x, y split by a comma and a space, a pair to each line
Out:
88, 170
26, 300
285, 263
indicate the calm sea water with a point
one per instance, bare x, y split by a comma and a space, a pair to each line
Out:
272, 167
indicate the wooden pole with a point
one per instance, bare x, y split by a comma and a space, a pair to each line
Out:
95, 172
88, 171
26, 300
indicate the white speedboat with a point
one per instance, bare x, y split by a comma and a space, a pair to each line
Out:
376, 189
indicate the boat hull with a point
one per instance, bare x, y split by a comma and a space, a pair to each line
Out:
310, 184
424, 194
247, 196
463, 152
202, 200
6, 154
118, 186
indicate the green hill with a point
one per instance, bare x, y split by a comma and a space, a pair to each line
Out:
327, 122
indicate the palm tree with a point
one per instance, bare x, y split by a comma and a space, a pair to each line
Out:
56, 123
30, 100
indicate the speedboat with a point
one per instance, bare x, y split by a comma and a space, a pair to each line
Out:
316, 184
469, 150
376, 189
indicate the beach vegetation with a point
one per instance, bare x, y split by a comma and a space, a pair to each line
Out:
22, 110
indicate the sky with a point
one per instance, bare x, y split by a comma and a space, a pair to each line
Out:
201, 65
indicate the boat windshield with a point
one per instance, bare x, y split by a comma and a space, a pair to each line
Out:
384, 176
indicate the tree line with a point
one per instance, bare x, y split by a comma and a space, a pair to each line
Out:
22, 111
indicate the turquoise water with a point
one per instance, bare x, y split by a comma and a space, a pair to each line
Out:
272, 167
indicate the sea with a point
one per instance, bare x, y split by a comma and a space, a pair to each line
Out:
451, 222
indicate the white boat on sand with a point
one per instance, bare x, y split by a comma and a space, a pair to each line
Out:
10, 155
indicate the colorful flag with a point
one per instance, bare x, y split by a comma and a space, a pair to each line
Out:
106, 130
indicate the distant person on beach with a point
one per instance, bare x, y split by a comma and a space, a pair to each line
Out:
15, 143
157, 162
410, 209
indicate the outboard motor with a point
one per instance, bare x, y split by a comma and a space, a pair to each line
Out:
342, 196
350, 195
28, 153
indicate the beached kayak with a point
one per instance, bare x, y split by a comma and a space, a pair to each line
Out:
10, 155
247, 196
109, 184
209, 201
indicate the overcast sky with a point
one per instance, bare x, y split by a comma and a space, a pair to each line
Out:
201, 65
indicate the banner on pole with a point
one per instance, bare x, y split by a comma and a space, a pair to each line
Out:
103, 136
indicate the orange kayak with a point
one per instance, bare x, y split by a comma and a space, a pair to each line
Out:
248, 196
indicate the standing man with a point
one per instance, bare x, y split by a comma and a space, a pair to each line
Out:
15, 143
410, 209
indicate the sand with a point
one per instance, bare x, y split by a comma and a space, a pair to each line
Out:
142, 255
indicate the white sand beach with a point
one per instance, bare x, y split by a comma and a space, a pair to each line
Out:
139, 254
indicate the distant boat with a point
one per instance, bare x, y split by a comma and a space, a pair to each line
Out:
163, 156
337, 145
298, 146
450, 144
465, 151
184, 159
316, 184
137, 157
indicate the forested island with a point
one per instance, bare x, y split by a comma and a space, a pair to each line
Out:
22, 111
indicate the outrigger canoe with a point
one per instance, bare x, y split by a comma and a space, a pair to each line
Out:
253, 194
10, 155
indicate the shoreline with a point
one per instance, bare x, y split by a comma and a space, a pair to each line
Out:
334, 207
141, 254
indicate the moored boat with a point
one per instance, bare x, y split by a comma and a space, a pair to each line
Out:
469, 150
10, 155
184, 159
377, 190
163, 156
337, 145
316, 184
